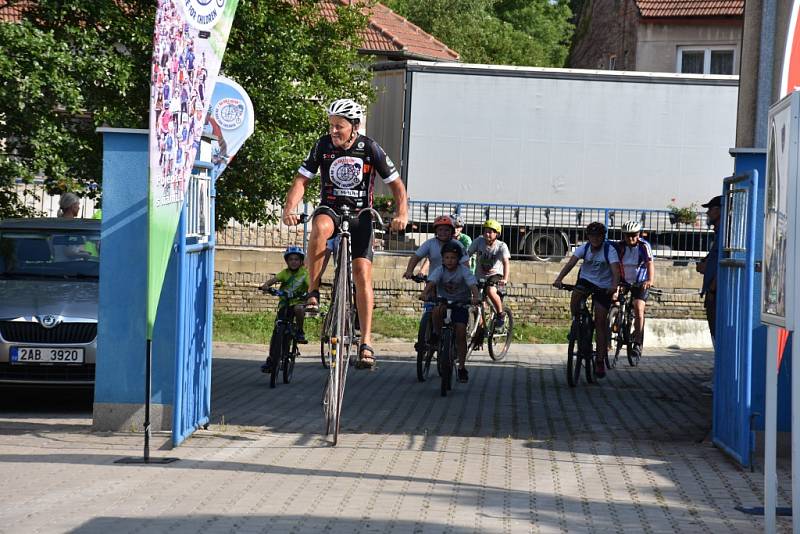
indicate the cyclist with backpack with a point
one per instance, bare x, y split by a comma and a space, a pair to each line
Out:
599, 276
638, 271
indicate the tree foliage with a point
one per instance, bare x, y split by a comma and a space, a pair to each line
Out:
69, 67
510, 32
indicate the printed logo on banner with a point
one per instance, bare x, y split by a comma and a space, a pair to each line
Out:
229, 113
203, 14
346, 172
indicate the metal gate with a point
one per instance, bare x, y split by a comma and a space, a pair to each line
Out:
733, 430
192, 404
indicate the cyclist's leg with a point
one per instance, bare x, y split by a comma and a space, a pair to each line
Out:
322, 228
300, 316
361, 248
639, 302
601, 327
437, 318
460, 329
494, 298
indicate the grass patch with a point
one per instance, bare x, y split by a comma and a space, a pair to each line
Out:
257, 328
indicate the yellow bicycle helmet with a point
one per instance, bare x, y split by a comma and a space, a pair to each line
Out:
494, 225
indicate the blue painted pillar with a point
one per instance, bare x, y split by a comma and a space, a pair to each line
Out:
120, 386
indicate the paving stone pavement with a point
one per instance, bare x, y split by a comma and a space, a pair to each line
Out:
515, 450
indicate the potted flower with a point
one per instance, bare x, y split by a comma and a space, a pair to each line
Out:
683, 215
384, 204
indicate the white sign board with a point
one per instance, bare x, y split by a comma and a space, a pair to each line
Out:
778, 282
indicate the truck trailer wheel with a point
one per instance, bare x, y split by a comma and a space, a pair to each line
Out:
544, 246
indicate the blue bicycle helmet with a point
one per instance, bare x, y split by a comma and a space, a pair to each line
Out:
453, 247
293, 249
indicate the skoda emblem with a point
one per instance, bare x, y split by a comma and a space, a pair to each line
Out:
48, 321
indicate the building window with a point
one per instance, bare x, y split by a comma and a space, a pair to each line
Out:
709, 60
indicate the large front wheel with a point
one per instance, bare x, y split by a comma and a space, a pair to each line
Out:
500, 336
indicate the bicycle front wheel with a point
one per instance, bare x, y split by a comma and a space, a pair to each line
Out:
500, 337
446, 361
275, 355
342, 328
423, 357
473, 322
633, 356
288, 362
574, 359
588, 355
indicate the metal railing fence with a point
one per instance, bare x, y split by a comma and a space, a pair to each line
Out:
35, 196
531, 232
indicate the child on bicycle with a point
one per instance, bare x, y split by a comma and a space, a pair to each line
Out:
599, 276
294, 281
453, 281
493, 264
636, 258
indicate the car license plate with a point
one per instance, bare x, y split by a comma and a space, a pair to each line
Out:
45, 355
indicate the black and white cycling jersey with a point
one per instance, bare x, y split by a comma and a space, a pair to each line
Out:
348, 176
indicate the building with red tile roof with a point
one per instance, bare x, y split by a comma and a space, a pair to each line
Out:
690, 36
390, 36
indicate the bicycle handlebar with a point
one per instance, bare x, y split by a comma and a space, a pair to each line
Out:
419, 278
281, 293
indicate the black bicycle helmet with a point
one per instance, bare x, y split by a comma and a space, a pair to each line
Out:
453, 247
596, 228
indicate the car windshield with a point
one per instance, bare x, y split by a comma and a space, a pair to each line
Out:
49, 253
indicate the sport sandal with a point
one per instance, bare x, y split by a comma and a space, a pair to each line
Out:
365, 361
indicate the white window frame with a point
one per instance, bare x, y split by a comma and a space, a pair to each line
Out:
706, 55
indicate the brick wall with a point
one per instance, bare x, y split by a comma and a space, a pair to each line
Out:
239, 272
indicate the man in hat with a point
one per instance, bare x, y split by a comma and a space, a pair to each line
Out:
709, 264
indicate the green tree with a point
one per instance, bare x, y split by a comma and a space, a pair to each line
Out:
510, 32
69, 67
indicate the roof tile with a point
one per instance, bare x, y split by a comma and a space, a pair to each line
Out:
691, 8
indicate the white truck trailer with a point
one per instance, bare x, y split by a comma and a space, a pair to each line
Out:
549, 150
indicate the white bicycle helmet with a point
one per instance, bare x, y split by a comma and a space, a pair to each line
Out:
347, 108
631, 227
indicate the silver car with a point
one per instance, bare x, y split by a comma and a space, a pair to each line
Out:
49, 272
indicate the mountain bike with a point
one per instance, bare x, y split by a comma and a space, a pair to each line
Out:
340, 328
581, 334
283, 349
497, 338
621, 321
447, 354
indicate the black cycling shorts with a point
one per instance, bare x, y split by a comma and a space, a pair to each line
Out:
640, 293
362, 234
600, 295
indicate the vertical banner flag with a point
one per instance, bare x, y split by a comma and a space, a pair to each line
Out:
790, 75
231, 119
188, 43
